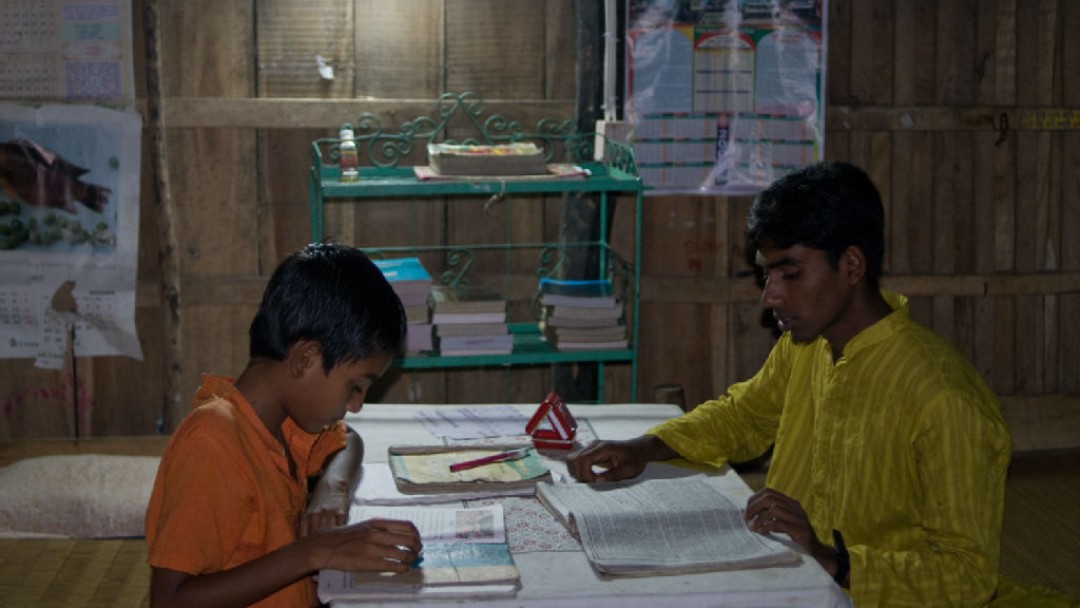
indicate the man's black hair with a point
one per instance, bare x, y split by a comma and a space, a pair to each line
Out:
828, 206
334, 295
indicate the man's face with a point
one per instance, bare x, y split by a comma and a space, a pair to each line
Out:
808, 297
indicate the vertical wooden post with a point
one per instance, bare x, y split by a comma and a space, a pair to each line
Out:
579, 218
171, 411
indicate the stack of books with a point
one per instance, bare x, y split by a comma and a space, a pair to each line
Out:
582, 315
470, 320
412, 284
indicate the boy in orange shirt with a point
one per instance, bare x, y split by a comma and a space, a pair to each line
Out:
230, 522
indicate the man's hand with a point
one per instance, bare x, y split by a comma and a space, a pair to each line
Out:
616, 460
770, 511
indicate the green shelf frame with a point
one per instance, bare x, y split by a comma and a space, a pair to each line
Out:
382, 178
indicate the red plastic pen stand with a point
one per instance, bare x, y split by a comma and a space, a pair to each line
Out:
552, 426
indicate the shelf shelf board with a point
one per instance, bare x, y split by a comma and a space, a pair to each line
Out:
529, 348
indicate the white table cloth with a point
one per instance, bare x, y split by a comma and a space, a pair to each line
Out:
565, 579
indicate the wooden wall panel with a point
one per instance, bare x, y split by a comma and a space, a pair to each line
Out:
291, 35
982, 219
399, 48
495, 49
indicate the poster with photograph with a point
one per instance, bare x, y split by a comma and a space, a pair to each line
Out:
724, 96
69, 219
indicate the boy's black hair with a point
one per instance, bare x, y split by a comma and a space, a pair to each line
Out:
334, 295
828, 206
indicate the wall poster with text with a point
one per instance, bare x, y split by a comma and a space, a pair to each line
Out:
724, 96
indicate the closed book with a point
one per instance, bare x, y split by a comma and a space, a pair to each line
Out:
471, 329
522, 158
576, 322
607, 345
446, 318
615, 311
588, 334
597, 293
475, 345
417, 313
419, 339
466, 298
410, 280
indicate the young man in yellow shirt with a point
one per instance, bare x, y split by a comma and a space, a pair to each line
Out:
889, 450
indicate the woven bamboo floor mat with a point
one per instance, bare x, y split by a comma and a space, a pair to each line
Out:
73, 573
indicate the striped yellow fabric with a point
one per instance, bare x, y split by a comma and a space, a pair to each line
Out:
899, 444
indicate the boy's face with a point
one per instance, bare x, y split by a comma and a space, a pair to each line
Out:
325, 398
808, 297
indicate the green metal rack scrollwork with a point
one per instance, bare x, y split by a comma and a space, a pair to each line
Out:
383, 176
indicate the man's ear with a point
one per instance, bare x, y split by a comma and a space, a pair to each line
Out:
302, 355
853, 264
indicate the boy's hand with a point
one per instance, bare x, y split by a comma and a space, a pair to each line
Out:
375, 545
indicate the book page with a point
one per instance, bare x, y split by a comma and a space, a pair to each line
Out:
442, 525
659, 525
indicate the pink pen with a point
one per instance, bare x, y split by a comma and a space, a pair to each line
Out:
493, 458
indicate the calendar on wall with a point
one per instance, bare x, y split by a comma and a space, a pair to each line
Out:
66, 50
69, 217
724, 96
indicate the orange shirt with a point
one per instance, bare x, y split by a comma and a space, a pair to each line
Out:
223, 494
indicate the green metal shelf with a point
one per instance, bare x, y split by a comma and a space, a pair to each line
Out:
387, 177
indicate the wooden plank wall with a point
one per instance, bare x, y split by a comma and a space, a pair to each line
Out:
983, 221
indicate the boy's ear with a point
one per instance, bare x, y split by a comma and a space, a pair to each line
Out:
302, 355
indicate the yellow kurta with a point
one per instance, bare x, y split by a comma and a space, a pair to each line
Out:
899, 444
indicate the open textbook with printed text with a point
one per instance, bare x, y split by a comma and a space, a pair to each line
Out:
465, 556
661, 526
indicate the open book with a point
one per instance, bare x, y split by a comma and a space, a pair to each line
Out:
465, 556
661, 526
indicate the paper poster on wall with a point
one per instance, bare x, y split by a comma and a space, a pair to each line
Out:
724, 96
69, 220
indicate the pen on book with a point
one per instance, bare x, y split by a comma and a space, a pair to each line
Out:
493, 458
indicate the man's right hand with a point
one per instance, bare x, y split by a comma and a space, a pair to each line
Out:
616, 460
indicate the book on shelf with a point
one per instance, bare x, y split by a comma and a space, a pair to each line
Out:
501, 344
519, 158
567, 346
596, 314
575, 322
586, 334
471, 329
589, 293
419, 338
426, 469
661, 526
449, 318
417, 313
466, 298
553, 172
410, 280
465, 555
